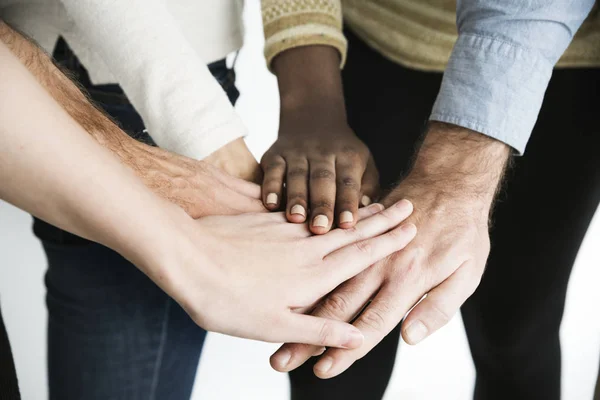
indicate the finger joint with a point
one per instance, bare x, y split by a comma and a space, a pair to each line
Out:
325, 333
336, 305
322, 174
373, 319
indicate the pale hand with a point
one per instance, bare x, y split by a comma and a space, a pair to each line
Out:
249, 275
236, 159
198, 187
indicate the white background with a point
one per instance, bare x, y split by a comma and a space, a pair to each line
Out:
440, 368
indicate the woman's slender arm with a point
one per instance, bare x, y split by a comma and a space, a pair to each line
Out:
239, 275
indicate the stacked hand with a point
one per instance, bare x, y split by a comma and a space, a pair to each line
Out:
236, 160
445, 261
198, 187
249, 275
326, 169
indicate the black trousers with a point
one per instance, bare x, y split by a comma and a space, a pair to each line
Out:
513, 319
9, 387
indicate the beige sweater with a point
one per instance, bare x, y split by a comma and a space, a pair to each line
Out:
157, 51
415, 33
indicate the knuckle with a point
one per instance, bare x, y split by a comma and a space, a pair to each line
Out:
326, 333
387, 214
273, 165
364, 247
356, 155
399, 236
322, 204
395, 234
352, 232
407, 264
350, 151
324, 151
322, 174
336, 305
296, 196
297, 172
373, 319
440, 315
348, 183
473, 283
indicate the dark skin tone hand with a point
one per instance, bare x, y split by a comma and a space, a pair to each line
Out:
327, 171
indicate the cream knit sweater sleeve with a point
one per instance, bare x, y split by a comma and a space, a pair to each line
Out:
185, 110
294, 23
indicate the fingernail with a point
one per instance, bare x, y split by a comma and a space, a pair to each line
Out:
283, 358
346, 217
324, 365
409, 228
354, 340
365, 201
318, 352
298, 210
403, 203
321, 221
416, 332
377, 207
272, 198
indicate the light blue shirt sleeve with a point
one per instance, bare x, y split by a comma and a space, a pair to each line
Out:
502, 62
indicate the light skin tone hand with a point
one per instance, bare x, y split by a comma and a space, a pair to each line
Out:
285, 270
198, 187
327, 171
233, 274
236, 160
214, 186
452, 185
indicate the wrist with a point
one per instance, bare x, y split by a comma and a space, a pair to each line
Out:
177, 248
187, 272
430, 199
455, 168
309, 79
458, 161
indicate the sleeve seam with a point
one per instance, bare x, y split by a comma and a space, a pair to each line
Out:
475, 125
517, 46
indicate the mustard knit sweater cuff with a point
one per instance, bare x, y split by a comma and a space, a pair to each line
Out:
294, 23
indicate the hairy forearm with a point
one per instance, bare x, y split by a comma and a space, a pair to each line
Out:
455, 162
463, 159
66, 93
181, 180
51, 168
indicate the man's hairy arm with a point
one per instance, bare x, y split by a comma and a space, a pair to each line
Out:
454, 179
196, 186
459, 160
64, 91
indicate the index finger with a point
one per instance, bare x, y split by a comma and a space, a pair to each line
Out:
377, 320
348, 180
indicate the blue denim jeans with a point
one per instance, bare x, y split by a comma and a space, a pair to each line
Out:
112, 333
